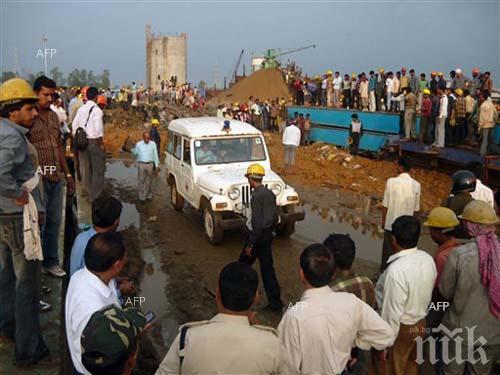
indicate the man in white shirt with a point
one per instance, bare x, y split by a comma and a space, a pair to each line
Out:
481, 192
320, 330
401, 197
257, 114
291, 140
146, 156
403, 294
93, 158
92, 288
337, 87
388, 90
441, 120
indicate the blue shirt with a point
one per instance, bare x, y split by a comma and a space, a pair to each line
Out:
146, 152
16, 167
77, 261
372, 84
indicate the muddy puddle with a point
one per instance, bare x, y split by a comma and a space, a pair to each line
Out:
320, 222
130, 217
154, 284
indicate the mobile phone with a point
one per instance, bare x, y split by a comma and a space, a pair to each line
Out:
150, 316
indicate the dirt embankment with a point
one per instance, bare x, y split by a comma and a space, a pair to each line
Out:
316, 165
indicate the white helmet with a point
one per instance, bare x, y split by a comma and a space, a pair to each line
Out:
458, 71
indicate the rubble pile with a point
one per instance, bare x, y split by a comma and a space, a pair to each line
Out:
263, 84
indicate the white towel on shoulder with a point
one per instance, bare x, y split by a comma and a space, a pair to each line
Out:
32, 240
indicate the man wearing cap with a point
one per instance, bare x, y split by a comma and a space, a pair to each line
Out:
471, 282
425, 117
476, 81
404, 80
460, 116
262, 217
155, 134
439, 137
459, 82
92, 288
230, 342
110, 340
21, 209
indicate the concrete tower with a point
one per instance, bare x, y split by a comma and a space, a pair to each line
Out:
166, 57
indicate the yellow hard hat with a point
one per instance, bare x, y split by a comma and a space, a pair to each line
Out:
255, 171
381, 70
426, 92
353, 75
440, 74
329, 72
459, 91
442, 217
15, 90
479, 212
155, 122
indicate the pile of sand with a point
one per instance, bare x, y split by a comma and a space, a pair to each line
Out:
263, 84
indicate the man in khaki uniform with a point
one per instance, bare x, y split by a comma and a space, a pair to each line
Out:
228, 343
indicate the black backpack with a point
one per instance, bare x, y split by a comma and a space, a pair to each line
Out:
81, 140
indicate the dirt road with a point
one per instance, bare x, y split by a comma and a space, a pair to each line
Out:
179, 269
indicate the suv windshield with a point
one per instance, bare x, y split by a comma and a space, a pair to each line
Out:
229, 150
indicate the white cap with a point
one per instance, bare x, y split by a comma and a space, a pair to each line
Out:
458, 71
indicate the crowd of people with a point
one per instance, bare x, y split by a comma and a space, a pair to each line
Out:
453, 111
343, 323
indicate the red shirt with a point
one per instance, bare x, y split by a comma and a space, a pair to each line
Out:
426, 109
441, 256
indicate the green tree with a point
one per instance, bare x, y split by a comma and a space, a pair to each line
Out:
8, 75
57, 76
74, 78
104, 79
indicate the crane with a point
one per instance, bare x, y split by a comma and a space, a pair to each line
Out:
271, 55
238, 62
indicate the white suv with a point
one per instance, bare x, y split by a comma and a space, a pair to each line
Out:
206, 165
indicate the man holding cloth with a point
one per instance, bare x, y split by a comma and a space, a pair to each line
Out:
20, 245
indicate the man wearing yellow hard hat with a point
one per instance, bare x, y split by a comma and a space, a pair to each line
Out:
460, 116
262, 217
442, 223
20, 260
471, 282
155, 134
425, 117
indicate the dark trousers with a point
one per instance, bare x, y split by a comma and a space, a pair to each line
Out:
20, 283
461, 130
94, 167
386, 249
53, 199
347, 98
354, 147
262, 250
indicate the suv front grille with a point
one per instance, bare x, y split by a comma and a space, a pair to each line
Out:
246, 191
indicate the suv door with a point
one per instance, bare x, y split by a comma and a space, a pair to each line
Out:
186, 171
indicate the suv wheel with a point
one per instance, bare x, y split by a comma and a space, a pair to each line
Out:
176, 199
212, 224
286, 229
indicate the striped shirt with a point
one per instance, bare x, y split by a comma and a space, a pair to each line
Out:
45, 136
361, 286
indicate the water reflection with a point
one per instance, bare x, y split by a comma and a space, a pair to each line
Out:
320, 222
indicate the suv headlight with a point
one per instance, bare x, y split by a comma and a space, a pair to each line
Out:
234, 193
276, 189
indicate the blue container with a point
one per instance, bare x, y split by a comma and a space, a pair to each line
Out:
332, 126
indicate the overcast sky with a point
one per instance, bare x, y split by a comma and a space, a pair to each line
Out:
351, 36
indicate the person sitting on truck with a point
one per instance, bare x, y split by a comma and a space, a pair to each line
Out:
204, 155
